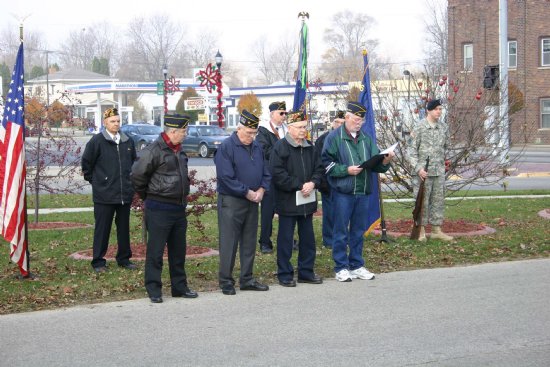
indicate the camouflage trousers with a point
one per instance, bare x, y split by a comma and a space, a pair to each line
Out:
434, 199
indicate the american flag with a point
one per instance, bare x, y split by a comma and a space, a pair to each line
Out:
13, 169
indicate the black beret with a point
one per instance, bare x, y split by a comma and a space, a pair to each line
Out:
249, 120
357, 109
277, 106
433, 104
176, 121
295, 116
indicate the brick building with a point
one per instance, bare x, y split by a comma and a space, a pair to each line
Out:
474, 43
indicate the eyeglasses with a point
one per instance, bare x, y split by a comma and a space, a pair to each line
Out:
283, 113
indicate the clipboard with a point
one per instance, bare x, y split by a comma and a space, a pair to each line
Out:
301, 199
377, 159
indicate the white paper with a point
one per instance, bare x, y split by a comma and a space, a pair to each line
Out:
390, 149
301, 199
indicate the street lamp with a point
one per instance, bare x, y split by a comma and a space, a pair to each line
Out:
408, 73
164, 95
219, 59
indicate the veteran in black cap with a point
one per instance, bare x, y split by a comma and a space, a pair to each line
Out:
106, 164
269, 133
296, 172
160, 177
242, 179
324, 188
345, 149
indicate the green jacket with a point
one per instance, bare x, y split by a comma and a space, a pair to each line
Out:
339, 152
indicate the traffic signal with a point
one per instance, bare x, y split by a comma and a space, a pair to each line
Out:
490, 76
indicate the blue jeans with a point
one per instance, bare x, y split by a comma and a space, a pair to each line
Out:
350, 221
327, 219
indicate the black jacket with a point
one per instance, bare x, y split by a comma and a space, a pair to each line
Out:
107, 166
160, 174
293, 165
267, 141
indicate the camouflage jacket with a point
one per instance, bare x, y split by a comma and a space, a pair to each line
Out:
427, 141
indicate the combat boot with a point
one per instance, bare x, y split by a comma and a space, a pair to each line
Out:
437, 233
422, 235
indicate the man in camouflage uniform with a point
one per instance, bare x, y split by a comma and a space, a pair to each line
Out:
430, 138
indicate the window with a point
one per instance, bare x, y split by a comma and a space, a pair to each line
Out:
545, 113
468, 56
545, 52
512, 54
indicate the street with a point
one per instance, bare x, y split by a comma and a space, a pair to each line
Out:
482, 315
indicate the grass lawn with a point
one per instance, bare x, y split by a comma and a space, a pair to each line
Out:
62, 281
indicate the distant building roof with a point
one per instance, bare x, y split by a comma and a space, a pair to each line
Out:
73, 76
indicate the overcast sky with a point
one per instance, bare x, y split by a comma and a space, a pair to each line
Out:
399, 28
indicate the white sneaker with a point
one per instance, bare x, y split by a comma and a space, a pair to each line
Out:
361, 273
343, 276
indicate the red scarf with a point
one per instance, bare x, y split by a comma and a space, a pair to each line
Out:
175, 147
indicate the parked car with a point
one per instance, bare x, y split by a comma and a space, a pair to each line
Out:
141, 134
204, 139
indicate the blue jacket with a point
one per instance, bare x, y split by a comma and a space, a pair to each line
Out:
238, 169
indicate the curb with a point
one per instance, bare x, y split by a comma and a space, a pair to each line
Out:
533, 174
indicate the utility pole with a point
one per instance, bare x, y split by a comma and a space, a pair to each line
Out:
504, 143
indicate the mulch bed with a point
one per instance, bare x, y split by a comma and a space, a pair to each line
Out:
458, 227
139, 249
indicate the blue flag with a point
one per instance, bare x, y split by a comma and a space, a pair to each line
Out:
365, 98
301, 77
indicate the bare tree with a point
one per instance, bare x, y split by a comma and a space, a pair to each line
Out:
472, 113
436, 30
153, 42
98, 40
276, 63
346, 37
195, 54
34, 47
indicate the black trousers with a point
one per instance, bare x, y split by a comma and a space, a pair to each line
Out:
306, 247
165, 228
238, 227
103, 214
266, 220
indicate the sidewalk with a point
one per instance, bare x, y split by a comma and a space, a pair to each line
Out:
483, 315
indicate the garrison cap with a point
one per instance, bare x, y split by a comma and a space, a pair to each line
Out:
176, 121
249, 120
357, 109
274, 106
340, 114
295, 116
110, 112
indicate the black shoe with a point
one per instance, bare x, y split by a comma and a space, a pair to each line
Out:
254, 286
229, 290
313, 280
187, 293
100, 269
128, 265
266, 249
288, 283
156, 299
